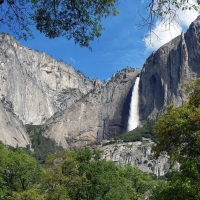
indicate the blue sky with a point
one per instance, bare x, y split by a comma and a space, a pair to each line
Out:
120, 45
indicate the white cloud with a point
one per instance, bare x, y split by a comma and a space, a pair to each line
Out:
163, 33
72, 60
187, 17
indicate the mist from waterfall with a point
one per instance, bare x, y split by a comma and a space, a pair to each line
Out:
133, 120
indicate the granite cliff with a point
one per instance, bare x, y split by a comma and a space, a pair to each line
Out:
75, 110
161, 83
35, 83
165, 71
100, 114
137, 154
12, 131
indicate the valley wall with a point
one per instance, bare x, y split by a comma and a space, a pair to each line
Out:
35, 83
165, 72
12, 131
76, 111
100, 114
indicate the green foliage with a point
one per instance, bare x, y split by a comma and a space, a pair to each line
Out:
69, 175
183, 5
3, 156
178, 134
178, 130
146, 131
77, 19
86, 176
110, 142
53, 181
18, 172
42, 146
22, 171
177, 187
32, 194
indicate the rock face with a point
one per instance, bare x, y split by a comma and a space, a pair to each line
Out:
35, 83
79, 110
12, 131
165, 71
76, 110
101, 113
137, 154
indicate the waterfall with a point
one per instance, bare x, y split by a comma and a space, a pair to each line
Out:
133, 120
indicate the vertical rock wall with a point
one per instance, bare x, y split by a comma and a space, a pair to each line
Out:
35, 83
100, 114
12, 131
166, 70
81, 111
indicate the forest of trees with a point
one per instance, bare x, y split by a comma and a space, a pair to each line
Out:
69, 175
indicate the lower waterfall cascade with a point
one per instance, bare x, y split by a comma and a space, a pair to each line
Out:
133, 120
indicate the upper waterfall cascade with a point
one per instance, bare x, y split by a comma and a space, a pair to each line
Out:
133, 120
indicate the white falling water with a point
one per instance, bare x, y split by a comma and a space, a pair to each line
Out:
133, 120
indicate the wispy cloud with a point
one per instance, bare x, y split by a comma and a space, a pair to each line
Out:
163, 33
72, 60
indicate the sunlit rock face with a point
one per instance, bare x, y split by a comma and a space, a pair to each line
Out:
165, 71
79, 110
137, 154
12, 131
35, 83
102, 113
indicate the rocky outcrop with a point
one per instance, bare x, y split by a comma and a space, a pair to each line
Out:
12, 131
165, 71
35, 83
100, 114
137, 154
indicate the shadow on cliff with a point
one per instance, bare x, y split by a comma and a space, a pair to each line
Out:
118, 125
125, 111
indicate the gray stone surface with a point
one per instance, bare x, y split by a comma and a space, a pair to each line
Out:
137, 154
78, 111
35, 83
103, 112
166, 70
100, 114
12, 131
